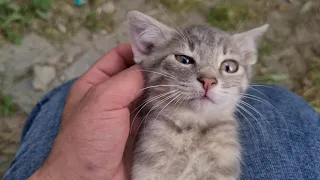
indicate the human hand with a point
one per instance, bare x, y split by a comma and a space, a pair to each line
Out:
95, 125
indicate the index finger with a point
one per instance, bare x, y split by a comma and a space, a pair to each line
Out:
116, 60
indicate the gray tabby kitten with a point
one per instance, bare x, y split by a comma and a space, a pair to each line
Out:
194, 77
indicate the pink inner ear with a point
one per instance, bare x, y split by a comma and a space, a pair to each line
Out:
140, 46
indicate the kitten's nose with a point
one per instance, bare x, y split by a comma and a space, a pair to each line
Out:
208, 82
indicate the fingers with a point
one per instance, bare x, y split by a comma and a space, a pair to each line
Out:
120, 90
116, 60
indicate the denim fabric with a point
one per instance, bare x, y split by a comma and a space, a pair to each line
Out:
280, 135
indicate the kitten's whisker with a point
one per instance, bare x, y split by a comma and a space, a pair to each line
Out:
172, 77
238, 110
254, 130
155, 86
148, 101
180, 32
237, 31
152, 99
156, 105
261, 85
255, 110
249, 96
168, 104
160, 71
181, 40
176, 105
254, 117
258, 91
256, 98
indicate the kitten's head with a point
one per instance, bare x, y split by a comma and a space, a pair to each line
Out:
204, 66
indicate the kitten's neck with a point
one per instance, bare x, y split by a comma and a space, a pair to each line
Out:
184, 117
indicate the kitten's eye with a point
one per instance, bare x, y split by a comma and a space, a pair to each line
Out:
184, 59
229, 66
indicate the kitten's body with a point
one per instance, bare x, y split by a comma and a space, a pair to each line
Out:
170, 149
189, 130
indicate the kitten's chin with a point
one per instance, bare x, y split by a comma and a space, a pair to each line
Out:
208, 108
206, 99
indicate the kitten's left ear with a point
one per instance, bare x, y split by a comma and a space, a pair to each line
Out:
146, 33
248, 42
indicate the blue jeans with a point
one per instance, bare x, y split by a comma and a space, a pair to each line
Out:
280, 135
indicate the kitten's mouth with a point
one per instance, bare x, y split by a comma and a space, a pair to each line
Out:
205, 97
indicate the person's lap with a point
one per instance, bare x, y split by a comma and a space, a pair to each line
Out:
280, 135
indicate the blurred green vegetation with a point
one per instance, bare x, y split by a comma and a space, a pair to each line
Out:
7, 107
312, 93
178, 5
97, 22
233, 16
15, 17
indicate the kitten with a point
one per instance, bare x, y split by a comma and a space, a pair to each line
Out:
194, 77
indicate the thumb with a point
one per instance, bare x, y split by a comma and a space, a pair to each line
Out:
120, 90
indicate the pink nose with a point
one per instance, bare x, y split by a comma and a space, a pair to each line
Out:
208, 82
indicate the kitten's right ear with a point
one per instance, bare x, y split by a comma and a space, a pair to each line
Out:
146, 33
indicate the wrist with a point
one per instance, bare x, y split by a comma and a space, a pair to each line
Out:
55, 168
45, 173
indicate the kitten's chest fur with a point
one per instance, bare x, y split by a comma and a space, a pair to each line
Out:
182, 148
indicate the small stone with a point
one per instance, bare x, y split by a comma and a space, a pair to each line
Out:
306, 7
54, 59
62, 78
94, 36
62, 28
71, 53
68, 10
99, 10
307, 82
61, 65
109, 7
43, 75
103, 32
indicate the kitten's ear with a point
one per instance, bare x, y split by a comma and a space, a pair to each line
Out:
248, 42
146, 33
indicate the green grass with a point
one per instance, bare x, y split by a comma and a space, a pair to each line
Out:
97, 22
232, 16
178, 5
7, 107
312, 94
15, 17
